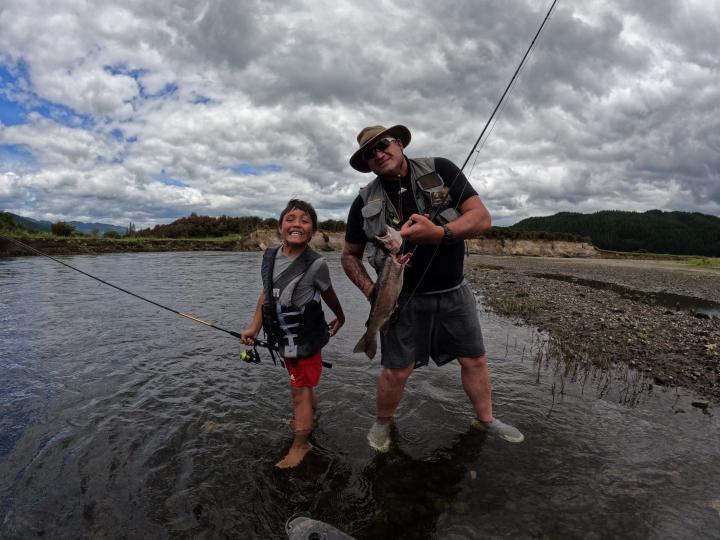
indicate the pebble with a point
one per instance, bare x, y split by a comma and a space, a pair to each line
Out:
605, 326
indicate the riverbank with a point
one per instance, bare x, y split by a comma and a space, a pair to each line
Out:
82, 245
672, 347
260, 239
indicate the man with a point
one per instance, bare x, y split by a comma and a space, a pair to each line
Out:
436, 208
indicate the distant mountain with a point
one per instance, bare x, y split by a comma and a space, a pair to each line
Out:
29, 223
87, 228
655, 231
44, 226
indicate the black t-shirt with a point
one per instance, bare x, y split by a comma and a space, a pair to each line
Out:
444, 266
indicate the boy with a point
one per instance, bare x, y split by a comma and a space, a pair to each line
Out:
294, 279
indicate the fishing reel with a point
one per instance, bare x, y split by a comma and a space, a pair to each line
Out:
250, 356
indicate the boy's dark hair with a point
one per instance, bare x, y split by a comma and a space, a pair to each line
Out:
297, 204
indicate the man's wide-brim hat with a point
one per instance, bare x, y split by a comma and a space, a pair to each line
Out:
372, 134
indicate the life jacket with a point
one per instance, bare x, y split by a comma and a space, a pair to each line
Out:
377, 207
300, 330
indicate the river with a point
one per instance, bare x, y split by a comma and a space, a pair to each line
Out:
122, 420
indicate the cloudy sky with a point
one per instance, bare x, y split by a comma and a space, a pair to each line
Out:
147, 111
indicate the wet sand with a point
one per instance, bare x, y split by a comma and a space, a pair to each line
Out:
674, 347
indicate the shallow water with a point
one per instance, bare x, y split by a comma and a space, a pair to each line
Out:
122, 420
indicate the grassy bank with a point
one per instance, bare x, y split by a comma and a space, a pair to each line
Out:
259, 239
58, 245
703, 262
691, 260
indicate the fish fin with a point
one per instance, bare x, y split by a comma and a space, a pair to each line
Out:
366, 345
360, 347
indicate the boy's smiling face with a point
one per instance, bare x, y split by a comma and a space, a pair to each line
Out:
296, 227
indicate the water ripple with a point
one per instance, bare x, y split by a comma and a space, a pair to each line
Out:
122, 420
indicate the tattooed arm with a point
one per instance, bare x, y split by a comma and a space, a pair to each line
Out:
351, 260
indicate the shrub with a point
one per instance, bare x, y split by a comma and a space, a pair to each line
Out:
62, 229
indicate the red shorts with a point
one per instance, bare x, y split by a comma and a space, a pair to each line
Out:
306, 371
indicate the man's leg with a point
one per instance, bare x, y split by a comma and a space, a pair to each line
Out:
390, 387
476, 383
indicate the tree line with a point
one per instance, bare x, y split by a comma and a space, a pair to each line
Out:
508, 233
654, 231
195, 226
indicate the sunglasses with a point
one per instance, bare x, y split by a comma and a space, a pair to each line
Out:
379, 146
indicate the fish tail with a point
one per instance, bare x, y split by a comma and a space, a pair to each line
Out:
366, 344
360, 347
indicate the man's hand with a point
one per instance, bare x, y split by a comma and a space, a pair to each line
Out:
420, 230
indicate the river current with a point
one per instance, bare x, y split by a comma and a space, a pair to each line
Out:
122, 420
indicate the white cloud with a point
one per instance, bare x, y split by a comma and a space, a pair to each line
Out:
617, 107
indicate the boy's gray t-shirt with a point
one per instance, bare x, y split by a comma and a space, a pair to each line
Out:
317, 277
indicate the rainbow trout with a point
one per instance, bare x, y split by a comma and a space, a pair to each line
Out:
387, 290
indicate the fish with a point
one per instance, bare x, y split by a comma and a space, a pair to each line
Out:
387, 290
391, 240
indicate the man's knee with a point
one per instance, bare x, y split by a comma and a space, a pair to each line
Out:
474, 363
396, 377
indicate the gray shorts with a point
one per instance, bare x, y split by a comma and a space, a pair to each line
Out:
441, 326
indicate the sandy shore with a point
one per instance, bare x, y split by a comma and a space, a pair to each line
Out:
674, 347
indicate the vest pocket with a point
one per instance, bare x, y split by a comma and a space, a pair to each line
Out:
374, 218
372, 208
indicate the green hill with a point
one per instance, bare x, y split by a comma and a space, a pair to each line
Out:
24, 222
44, 226
7, 223
678, 233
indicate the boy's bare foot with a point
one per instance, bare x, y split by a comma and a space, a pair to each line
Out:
294, 456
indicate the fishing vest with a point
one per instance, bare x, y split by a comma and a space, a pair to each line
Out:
377, 208
302, 331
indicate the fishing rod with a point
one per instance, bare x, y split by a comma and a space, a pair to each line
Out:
247, 356
510, 84
512, 80
435, 212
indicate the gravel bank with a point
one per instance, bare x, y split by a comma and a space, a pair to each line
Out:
677, 348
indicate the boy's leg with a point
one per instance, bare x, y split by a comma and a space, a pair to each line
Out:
303, 411
304, 377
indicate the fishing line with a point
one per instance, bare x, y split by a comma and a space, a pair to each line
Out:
501, 102
182, 314
512, 80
